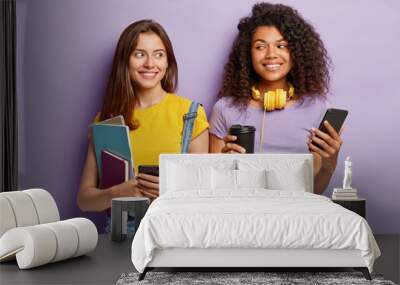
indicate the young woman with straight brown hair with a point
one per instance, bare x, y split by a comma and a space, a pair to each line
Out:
141, 86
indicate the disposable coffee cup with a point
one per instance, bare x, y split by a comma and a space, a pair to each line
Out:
244, 135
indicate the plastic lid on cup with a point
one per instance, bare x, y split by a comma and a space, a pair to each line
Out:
239, 129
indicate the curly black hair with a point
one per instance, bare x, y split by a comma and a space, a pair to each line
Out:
310, 71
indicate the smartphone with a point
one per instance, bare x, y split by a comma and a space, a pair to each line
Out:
335, 117
149, 169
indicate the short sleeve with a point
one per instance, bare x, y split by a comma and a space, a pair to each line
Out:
201, 122
218, 125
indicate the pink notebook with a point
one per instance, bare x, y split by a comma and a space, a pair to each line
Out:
115, 169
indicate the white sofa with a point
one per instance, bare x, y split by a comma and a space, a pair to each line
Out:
31, 231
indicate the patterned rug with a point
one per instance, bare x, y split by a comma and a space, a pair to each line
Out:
270, 278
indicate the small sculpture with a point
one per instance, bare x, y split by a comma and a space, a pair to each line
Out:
347, 174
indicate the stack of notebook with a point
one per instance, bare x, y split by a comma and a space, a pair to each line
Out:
344, 194
113, 151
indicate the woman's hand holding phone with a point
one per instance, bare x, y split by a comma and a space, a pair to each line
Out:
143, 185
148, 185
325, 146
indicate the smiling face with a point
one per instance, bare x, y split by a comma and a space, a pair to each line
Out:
270, 56
148, 62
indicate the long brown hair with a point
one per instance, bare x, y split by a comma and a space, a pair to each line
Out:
120, 97
310, 71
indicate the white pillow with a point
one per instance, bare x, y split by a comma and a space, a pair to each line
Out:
224, 179
293, 179
280, 174
183, 177
251, 178
222, 164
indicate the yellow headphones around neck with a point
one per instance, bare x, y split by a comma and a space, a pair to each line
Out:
273, 99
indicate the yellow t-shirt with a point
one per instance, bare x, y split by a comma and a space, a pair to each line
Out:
160, 129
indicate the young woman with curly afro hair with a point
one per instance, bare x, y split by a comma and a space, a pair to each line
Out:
277, 51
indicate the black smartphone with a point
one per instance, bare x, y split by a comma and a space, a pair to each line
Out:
335, 117
149, 169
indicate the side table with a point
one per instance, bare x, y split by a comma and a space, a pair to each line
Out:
358, 206
120, 207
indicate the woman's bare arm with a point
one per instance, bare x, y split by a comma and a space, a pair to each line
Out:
325, 148
200, 143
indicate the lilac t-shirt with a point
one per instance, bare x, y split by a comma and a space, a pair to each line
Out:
285, 131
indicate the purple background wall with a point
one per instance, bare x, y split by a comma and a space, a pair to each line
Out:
64, 51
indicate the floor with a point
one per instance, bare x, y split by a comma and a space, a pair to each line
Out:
110, 260
102, 266
389, 262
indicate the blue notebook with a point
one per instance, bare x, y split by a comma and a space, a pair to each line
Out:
113, 138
